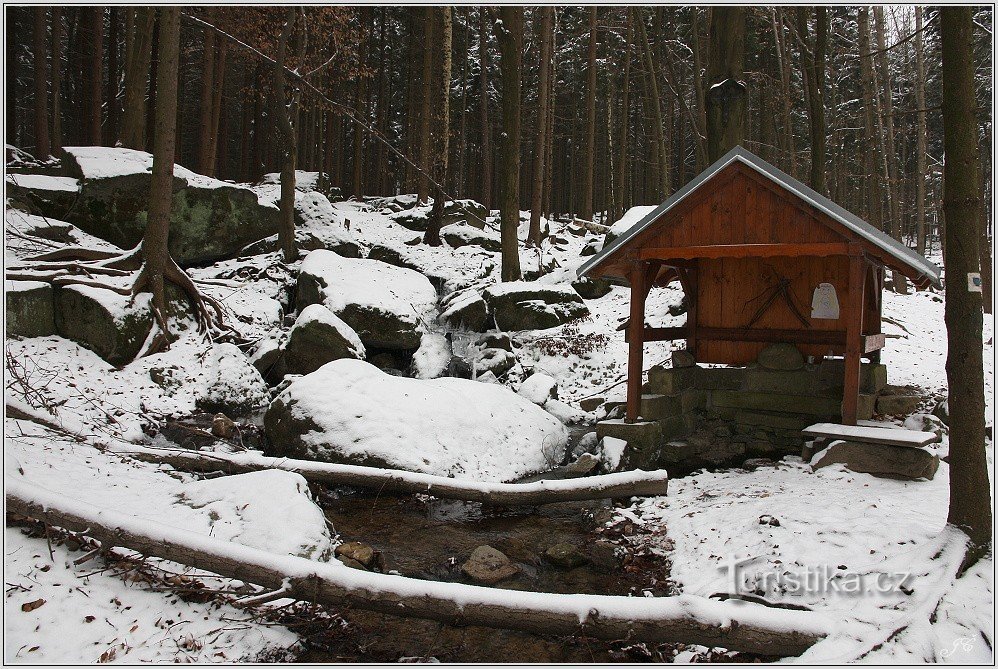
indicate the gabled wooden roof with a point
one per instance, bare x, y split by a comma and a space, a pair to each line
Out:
892, 252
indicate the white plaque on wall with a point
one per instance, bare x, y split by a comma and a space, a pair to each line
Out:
825, 303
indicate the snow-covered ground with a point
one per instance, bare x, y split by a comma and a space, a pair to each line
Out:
851, 523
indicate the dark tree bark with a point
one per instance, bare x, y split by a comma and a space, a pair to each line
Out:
206, 109
726, 95
40, 54
970, 501
509, 35
137, 59
872, 199
361, 111
425, 114
589, 138
153, 78
94, 74
440, 95
56, 77
155, 241
623, 157
540, 146
12, 72
653, 103
483, 54
922, 134
813, 61
111, 134
286, 119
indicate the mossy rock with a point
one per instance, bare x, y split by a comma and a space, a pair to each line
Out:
30, 308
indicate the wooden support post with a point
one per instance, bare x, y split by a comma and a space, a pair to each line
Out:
854, 329
691, 289
636, 341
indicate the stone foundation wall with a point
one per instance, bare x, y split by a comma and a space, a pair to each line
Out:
696, 416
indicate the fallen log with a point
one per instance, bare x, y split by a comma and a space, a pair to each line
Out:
682, 619
608, 486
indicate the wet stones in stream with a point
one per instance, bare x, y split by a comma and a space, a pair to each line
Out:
487, 565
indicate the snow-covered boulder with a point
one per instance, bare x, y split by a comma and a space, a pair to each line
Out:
271, 510
350, 411
495, 360
233, 385
112, 325
209, 219
318, 337
463, 234
30, 308
530, 305
317, 225
539, 388
464, 309
387, 306
433, 357
42, 192
417, 218
591, 288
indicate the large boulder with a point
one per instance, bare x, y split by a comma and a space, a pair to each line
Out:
464, 309
902, 462
591, 288
318, 337
350, 411
432, 359
417, 218
209, 219
111, 325
528, 305
387, 306
50, 195
233, 385
463, 234
30, 308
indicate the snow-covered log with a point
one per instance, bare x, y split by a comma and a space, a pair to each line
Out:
609, 486
685, 619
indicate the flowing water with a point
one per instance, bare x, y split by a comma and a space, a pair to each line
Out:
430, 539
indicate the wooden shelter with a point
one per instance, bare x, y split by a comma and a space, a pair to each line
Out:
762, 259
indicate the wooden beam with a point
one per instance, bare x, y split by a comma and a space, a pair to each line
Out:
744, 251
854, 326
874, 342
830, 337
661, 334
635, 331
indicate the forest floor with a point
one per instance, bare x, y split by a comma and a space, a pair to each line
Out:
783, 519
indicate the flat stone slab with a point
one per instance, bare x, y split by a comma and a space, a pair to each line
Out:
883, 460
872, 435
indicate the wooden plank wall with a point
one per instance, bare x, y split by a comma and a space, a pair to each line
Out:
742, 207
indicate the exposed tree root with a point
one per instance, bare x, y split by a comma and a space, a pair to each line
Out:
80, 266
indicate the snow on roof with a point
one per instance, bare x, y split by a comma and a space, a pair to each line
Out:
885, 242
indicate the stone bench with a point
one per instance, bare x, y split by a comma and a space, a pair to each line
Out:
881, 451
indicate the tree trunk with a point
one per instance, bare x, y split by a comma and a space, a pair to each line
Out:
56, 79
970, 501
589, 138
540, 145
441, 129
40, 55
285, 117
625, 123
113, 76
425, 114
155, 247
654, 101
509, 35
726, 95
137, 58
922, 133
361, 113
391, 481
94, 74
813, 62
872, 199
12, 74
483, 55
885, 122
207, 96
150, 121
686, 619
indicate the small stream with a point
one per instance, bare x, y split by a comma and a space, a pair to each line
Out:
429, 539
